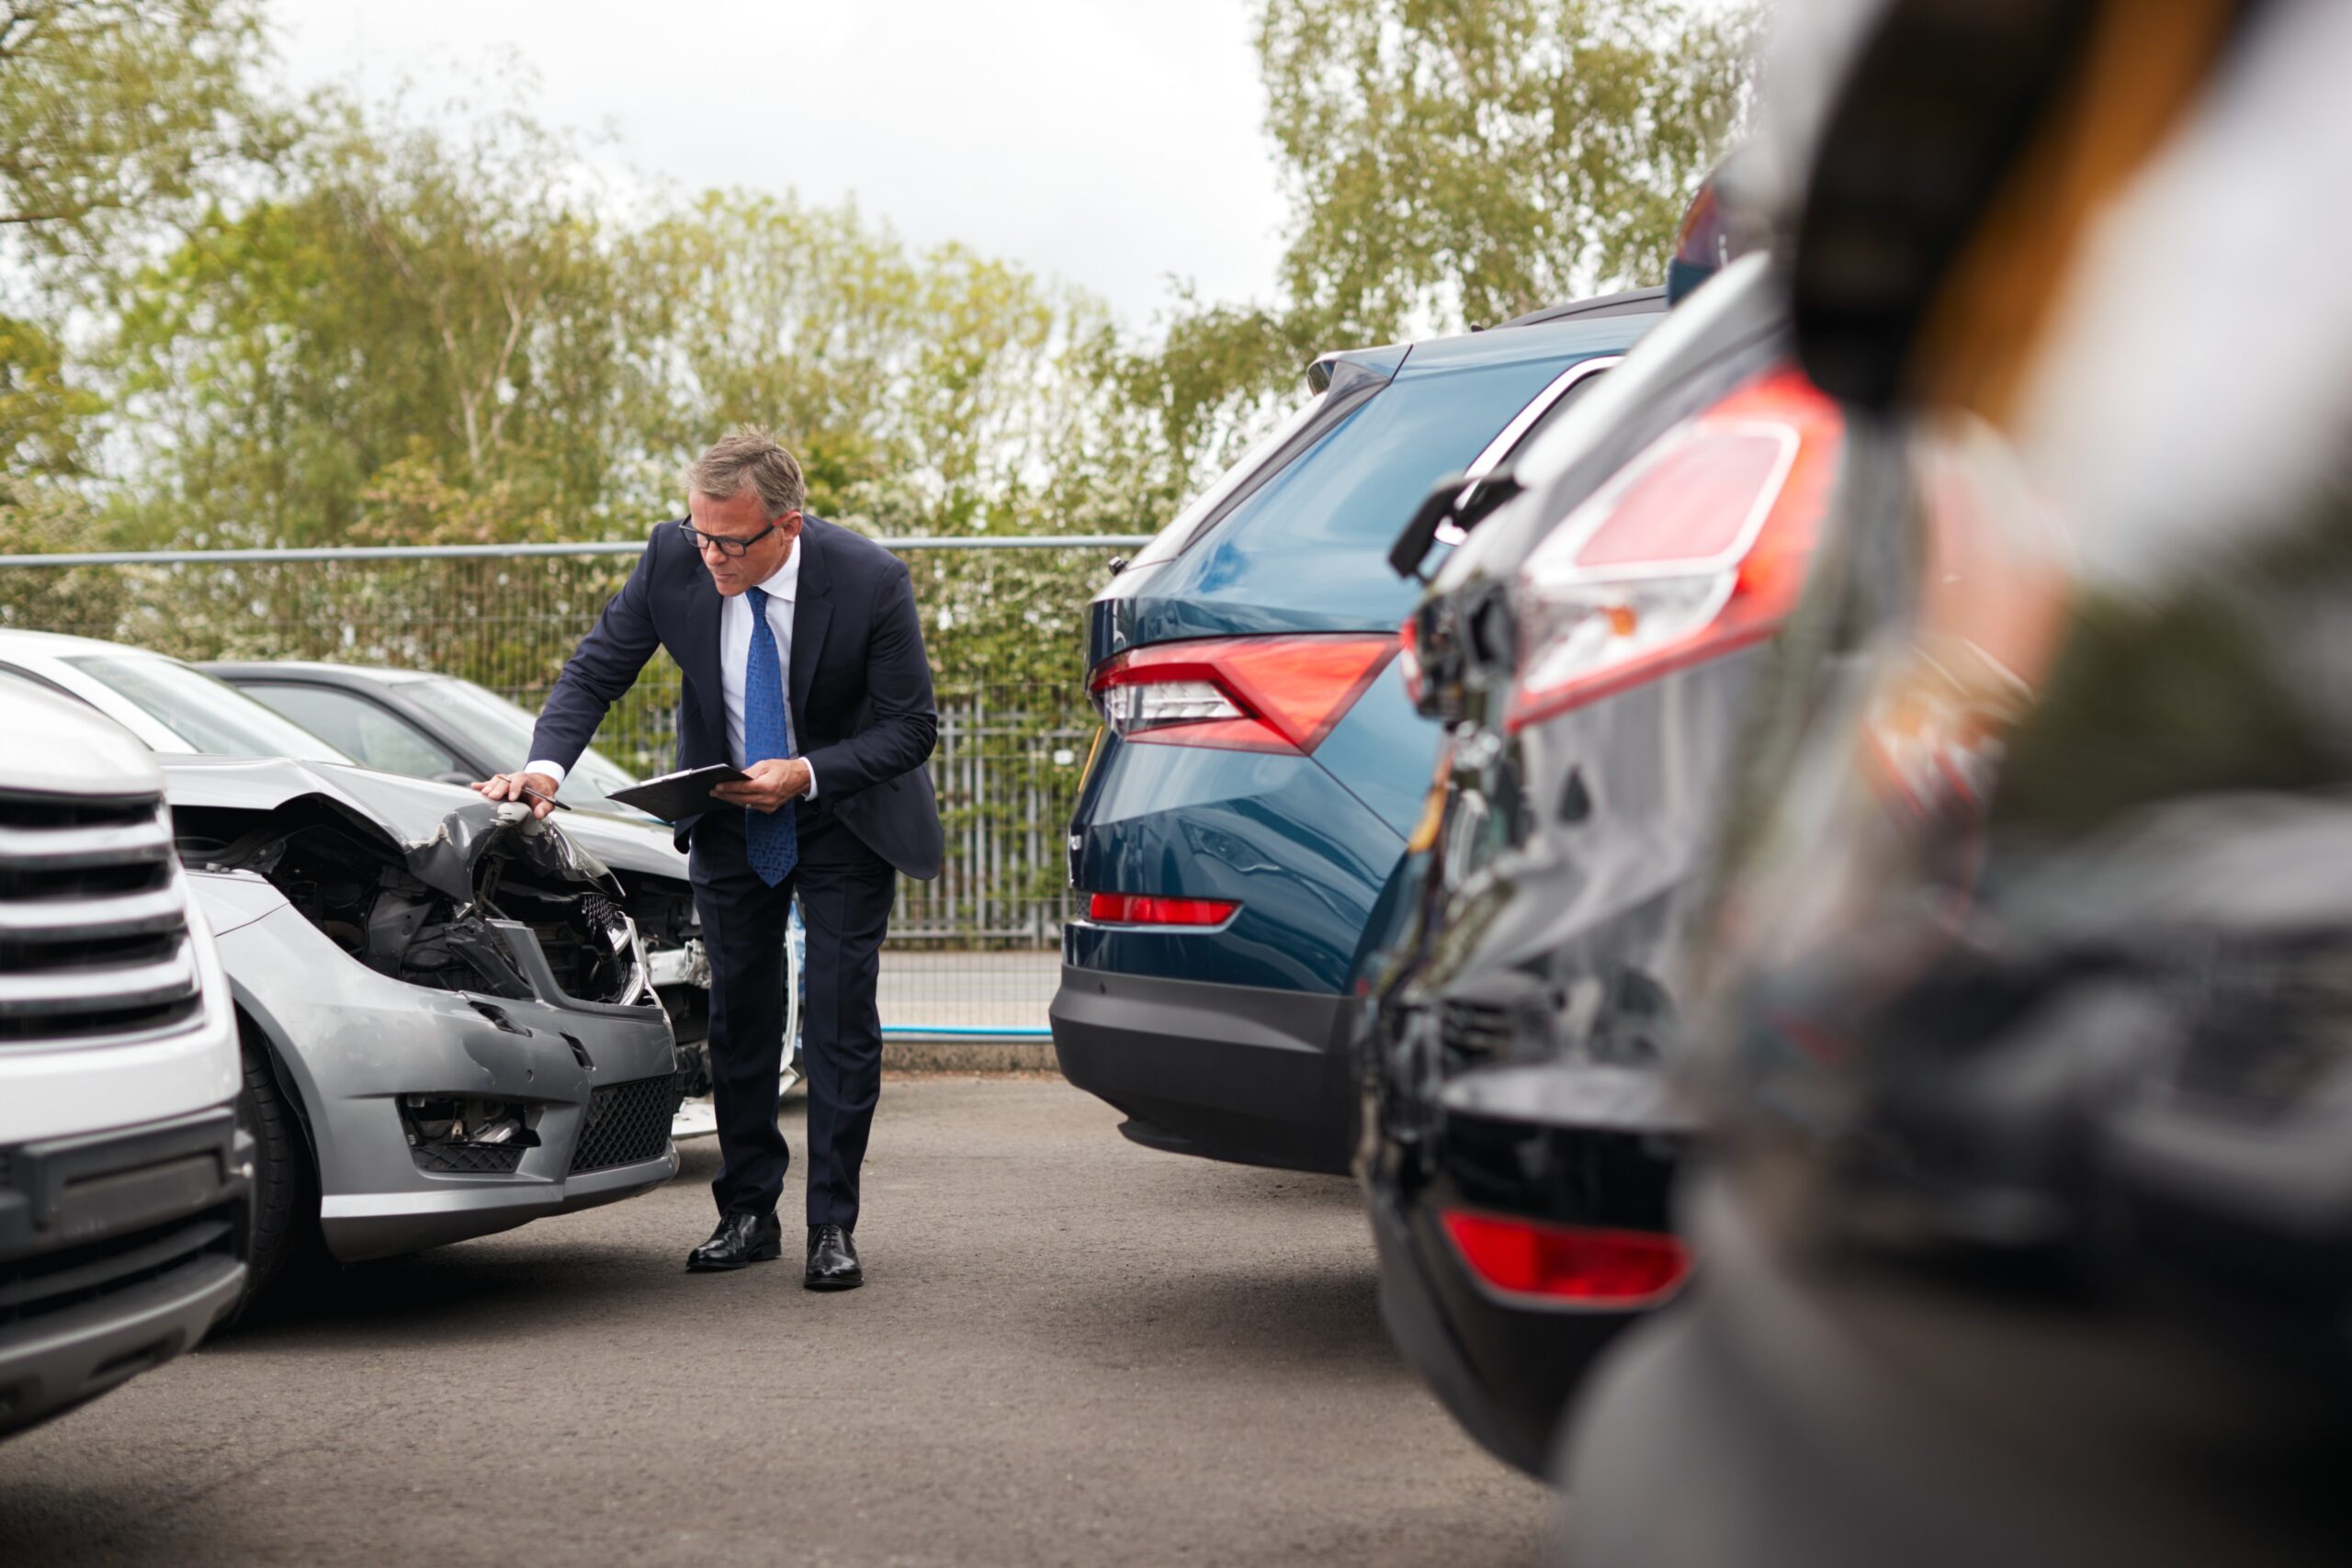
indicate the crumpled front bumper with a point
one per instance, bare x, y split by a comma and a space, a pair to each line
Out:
355, 1041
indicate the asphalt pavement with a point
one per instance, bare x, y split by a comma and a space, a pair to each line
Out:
1071, 1349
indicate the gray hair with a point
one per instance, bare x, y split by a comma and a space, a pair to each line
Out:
749, 452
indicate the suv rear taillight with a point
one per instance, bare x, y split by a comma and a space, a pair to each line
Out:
1697, 548
1243, 694
1148, 909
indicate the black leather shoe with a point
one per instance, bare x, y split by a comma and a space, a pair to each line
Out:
739, 1239
832, 1260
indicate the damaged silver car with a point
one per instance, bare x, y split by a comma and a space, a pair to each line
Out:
463, 1032
439, 726
452, 1024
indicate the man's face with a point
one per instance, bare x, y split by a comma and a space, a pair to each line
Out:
741, 516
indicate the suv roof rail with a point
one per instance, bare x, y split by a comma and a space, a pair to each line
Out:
1628, 302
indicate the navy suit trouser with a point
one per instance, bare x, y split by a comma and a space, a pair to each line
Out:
845, 891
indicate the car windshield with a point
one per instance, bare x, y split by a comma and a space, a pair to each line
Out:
503, 728
209, 715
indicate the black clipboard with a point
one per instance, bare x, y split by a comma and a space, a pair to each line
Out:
674, 797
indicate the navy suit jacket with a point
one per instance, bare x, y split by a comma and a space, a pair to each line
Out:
859, 688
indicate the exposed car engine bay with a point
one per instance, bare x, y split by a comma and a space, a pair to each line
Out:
663, 909
426, 914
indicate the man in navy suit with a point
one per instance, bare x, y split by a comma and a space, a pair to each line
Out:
804, 666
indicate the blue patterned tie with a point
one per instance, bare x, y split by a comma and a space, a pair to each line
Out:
772, 838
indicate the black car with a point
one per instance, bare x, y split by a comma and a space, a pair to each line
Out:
2020, 1013
1592, 650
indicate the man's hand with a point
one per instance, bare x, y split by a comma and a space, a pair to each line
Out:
774, 783
511, 786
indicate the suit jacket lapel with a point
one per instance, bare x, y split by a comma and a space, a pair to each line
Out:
697, 653
813, 608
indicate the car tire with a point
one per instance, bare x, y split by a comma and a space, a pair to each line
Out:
285, 1247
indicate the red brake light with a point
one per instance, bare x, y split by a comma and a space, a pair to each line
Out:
1138, 909
1409, 657
1698, 547
1254, 693
1568, 1264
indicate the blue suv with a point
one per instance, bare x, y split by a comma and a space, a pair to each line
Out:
1260, 769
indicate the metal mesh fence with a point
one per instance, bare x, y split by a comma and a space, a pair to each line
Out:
974, 951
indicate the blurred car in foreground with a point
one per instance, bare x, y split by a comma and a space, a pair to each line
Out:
1247, 806
447, 1023
2028, 1223
1592, 649
125, 1174
438, 727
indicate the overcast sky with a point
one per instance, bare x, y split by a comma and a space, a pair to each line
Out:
1108, 142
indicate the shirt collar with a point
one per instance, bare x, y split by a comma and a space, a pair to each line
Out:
785, 581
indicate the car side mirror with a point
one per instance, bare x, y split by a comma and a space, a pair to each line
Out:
1457, 498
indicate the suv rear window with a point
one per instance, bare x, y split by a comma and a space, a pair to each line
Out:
1178, 537
1358, 484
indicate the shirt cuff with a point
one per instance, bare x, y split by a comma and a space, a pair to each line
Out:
810, 792
554, 770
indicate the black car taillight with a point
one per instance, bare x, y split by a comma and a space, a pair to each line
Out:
1408, 660
1568, 1264
1244, 693
1699, 548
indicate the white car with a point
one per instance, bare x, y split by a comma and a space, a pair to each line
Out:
125, 1174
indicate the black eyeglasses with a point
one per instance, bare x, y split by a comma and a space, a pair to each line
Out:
735, 550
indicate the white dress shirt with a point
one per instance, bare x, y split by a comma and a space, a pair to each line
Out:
783, 587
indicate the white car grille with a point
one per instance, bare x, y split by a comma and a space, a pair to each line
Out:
94, 938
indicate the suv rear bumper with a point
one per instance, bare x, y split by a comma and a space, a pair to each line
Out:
118, 1252
1242, 1073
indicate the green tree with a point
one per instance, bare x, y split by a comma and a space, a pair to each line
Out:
116, 116
923, 394
1217, 375
114, 112
776, 314
1460, 161
420, 336
41, 411
1450, 162
933, 393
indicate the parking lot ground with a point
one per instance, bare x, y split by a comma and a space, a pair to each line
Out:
1071, 1350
